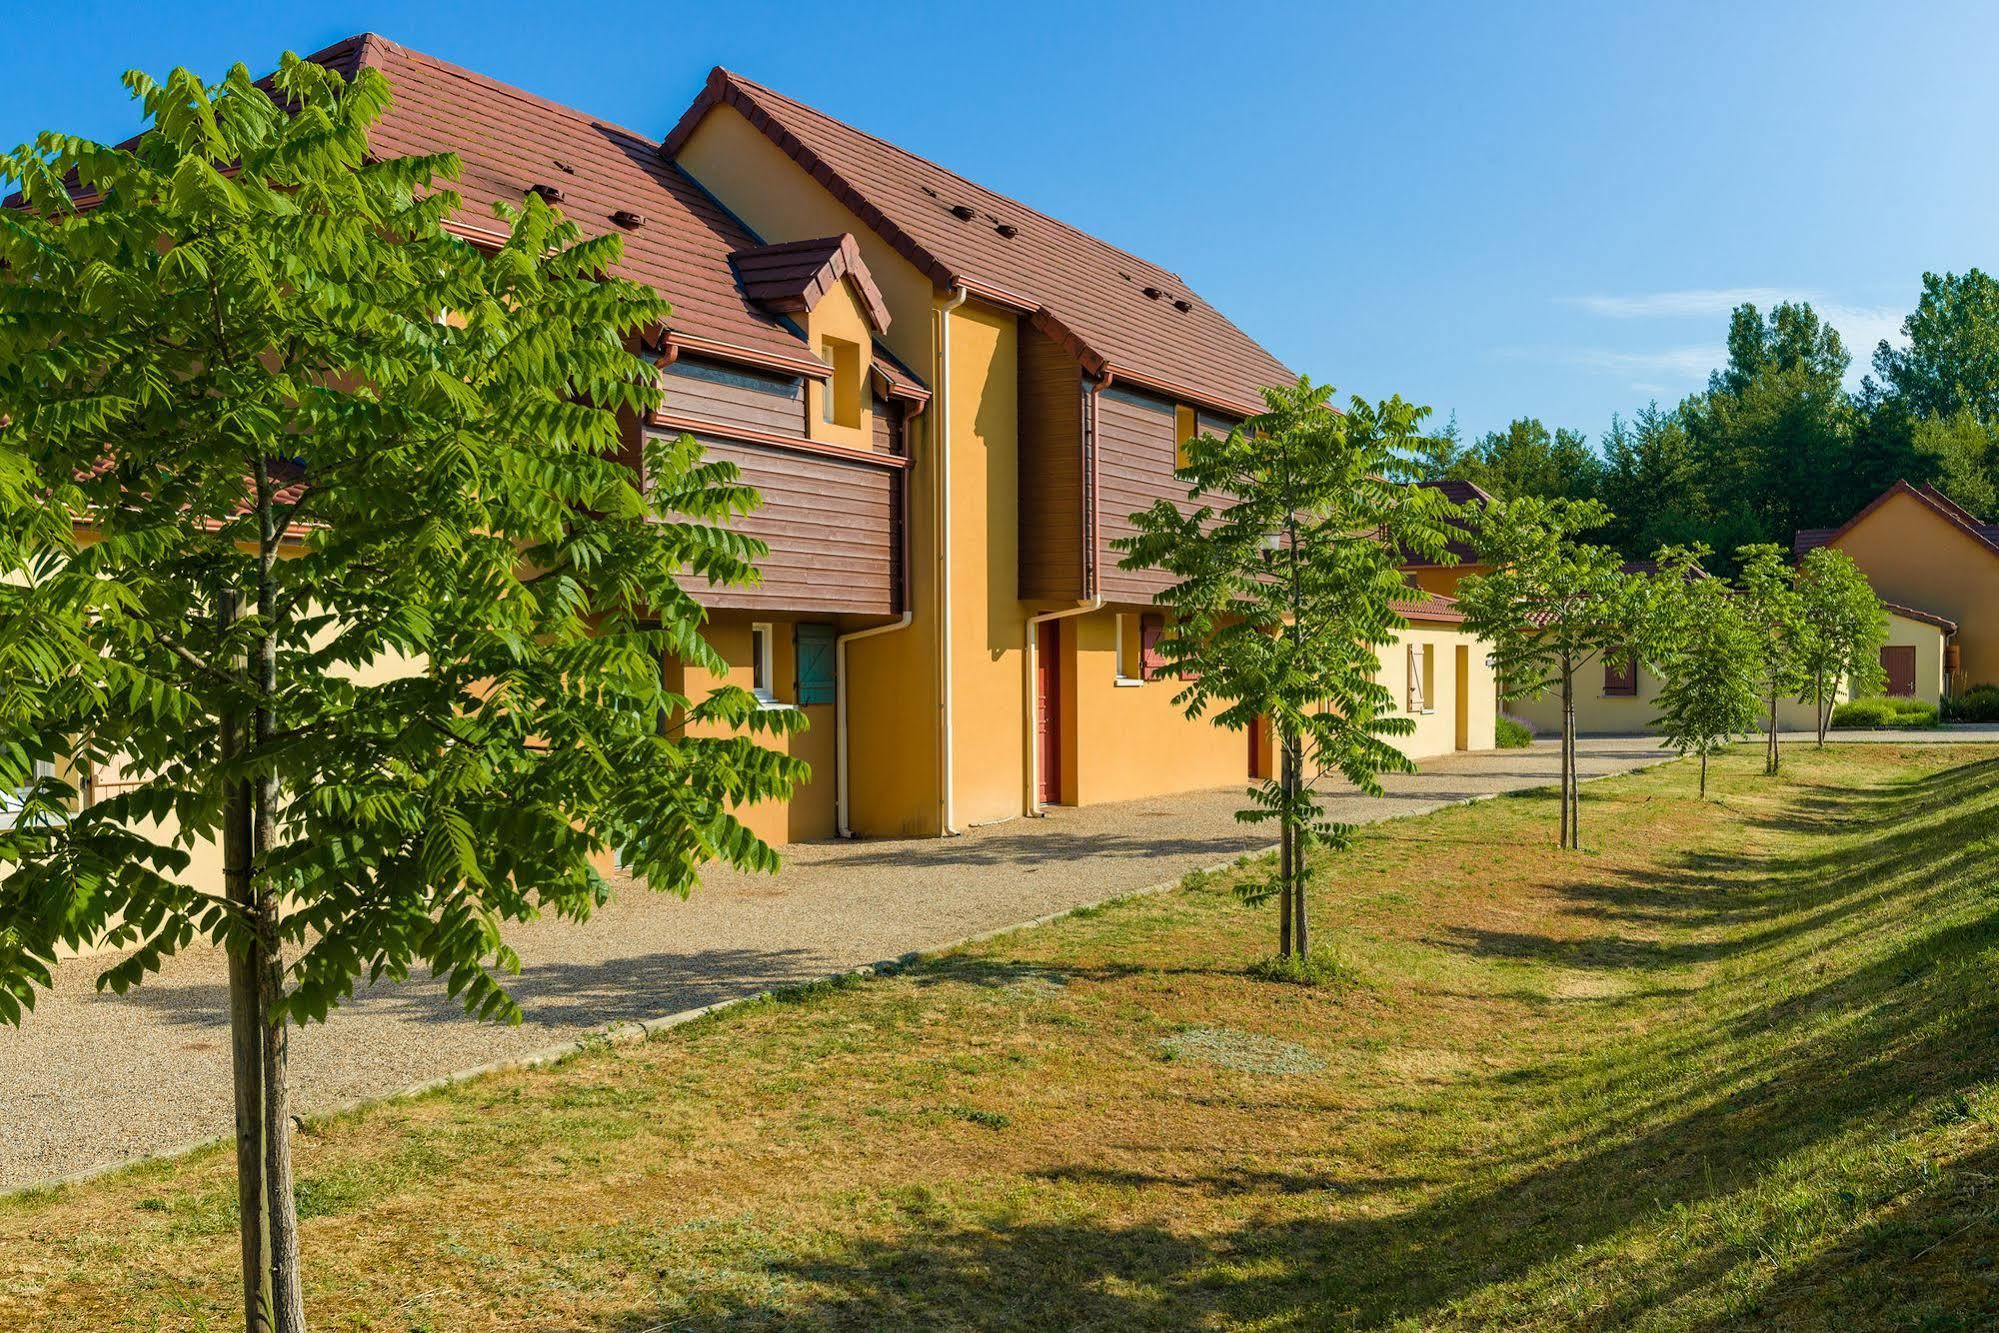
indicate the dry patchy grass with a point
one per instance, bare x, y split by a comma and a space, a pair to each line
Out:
1732, 1064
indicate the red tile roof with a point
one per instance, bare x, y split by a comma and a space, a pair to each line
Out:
1112, 309
1430, 608
678, 239
790, 278
1944, 623
1466, 495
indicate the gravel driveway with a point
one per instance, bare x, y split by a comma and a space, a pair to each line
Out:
94, 1079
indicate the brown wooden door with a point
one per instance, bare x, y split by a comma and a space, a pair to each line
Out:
1899, 661
1048, 723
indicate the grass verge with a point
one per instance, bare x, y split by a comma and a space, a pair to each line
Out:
1731, 1065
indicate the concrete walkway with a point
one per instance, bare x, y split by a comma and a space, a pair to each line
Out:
94, 1079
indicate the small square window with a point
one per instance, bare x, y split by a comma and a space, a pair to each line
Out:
840, 397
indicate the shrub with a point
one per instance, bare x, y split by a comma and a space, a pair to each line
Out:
1860, 714
1980, 703
1511, 735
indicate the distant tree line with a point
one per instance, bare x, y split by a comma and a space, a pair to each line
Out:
1775, 442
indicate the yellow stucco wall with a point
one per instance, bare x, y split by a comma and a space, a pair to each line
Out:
1598, 714
1912, 555
1928, 641
988, 621
809, 814
759, 183
1126, 741
1437, 727
838, 315
1444, 579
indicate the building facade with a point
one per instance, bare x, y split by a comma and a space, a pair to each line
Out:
950, 404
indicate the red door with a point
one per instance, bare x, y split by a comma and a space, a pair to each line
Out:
1048, 723
1899, 661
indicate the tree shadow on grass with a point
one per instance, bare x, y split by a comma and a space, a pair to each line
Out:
1697, 1119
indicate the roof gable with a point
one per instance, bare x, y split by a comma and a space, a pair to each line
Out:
1114, 311
1931, 499
792, 277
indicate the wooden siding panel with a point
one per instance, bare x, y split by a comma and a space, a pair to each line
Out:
885, 426
831, 527
1051, 471
1136, 446
735, 396
1134, 469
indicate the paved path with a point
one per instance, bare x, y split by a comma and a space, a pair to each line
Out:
93, 1079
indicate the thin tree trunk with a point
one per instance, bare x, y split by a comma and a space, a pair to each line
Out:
1772, 759
1301, 937
287, 1295
1703, 775
1284, 856
1568, 733
246, 1020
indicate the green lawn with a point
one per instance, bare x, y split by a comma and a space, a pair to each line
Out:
1735, 1064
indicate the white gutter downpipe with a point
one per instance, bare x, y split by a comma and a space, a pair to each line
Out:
846, 827
942, 412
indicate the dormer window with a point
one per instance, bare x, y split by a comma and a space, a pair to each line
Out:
842, 395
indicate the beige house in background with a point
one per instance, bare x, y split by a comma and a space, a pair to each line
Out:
1933, 561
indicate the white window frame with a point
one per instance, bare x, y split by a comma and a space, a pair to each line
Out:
12, 800
1120, 679
763, 661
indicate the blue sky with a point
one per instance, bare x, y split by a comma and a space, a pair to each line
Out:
1497, 210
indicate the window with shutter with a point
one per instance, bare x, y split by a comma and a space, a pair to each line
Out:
1620, 672
1416, 699
1150, 628
817, 664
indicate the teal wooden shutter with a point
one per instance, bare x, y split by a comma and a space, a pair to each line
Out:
815, 664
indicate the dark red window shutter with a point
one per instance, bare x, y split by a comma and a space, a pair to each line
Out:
1150, 663
1620, 672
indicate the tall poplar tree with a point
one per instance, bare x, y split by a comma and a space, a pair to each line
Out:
326, 540
1287, 582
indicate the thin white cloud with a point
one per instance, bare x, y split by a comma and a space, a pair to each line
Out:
1669, 363
1861, 327
1691, 303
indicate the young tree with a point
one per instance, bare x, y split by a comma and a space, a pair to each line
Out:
1698, 637
1550, 606
1286, 593
1767, 592
365, 590
1844, 628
